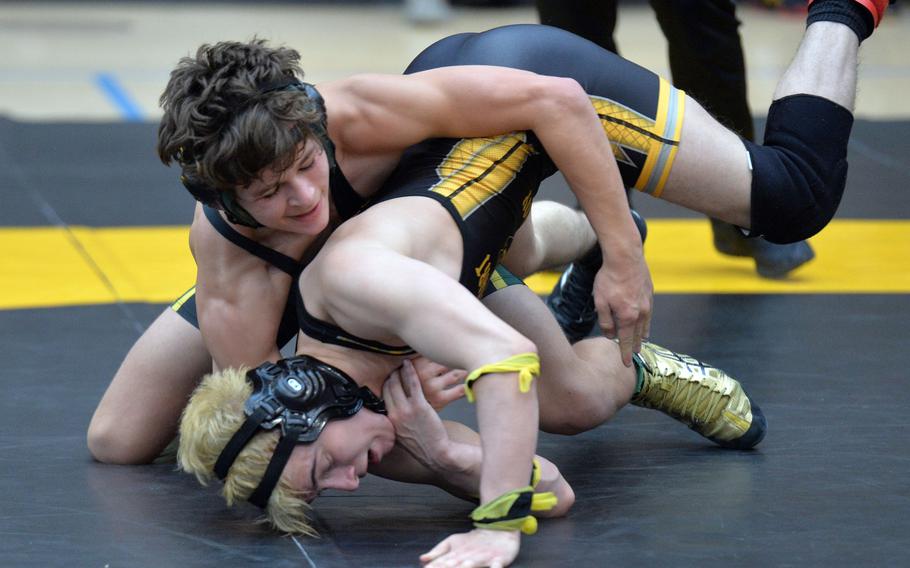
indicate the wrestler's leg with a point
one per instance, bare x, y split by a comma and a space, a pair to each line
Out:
552, 235
711, 172
825, 65
139, 412
799, 171
582, 385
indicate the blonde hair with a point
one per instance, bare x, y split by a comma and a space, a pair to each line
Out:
213, 415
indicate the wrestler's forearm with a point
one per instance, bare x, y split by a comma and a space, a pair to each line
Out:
239, 333
452, 465
456, 472
576, 142
462, 463
508, 421
456, 467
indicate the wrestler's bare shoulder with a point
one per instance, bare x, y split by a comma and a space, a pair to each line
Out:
364, 148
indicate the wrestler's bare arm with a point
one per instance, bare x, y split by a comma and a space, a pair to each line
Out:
239, 301
446, 454
376, 291
387, 113
457, 471
391, 296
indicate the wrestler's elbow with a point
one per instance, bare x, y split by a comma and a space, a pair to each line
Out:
549, 98
563, 96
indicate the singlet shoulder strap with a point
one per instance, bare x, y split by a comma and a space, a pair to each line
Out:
280, 261
328, 333
347, 201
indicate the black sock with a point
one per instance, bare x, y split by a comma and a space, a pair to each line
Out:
852, 14
592, 259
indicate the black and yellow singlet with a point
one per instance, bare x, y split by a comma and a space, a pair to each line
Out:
488, 184
641, 112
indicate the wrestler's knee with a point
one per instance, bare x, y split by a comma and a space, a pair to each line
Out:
570, 415
104, 443
110, 442
800, 171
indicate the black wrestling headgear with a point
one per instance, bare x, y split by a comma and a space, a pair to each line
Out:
300, 394
226, 201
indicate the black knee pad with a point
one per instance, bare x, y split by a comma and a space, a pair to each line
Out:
799, 173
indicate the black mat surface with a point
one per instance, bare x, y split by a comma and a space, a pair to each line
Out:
828, 487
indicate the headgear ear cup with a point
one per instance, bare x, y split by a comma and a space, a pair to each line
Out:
200, 191
235, 212
208, 195
301, 395
299, 390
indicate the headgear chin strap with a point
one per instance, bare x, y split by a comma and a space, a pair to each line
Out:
226, 200
300, 394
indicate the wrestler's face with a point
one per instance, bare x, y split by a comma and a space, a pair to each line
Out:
341, 454
294, 200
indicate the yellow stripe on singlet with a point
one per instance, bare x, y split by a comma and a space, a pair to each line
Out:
631, 132
183, 299
497, 281
44, 267
476, 169
673, 131
668, 127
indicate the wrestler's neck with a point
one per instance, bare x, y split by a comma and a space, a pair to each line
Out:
367, 369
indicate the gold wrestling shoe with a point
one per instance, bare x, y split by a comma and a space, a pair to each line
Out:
704, 398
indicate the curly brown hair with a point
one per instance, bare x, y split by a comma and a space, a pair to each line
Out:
223, 125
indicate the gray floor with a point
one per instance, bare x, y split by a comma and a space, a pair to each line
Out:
828, 486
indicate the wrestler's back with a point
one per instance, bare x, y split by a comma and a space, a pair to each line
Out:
547, 51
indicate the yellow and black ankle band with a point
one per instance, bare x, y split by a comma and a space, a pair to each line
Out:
512, 511
535, 472
527, 365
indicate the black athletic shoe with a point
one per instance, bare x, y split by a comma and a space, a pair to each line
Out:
571, 300
771, 260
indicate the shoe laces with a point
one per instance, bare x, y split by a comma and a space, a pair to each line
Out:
698, 400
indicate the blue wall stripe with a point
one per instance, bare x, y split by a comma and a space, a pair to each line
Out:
128, 108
